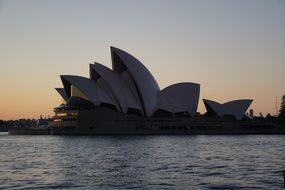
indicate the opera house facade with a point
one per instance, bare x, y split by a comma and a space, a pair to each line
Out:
127, 99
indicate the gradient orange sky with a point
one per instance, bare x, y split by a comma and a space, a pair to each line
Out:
234, 49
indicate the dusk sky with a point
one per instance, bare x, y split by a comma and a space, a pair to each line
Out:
234, 49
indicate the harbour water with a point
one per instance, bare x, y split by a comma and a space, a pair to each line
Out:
142, 162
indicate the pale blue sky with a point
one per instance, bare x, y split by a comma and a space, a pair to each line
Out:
234, 49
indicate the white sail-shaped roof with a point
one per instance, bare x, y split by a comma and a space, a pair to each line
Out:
185, 94
116, 86
214, 107
88, 87
62, 93
236, 108
146, 85
166, 103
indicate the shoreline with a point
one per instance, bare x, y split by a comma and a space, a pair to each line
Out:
91, 132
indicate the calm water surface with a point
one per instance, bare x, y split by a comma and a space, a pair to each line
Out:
142, 162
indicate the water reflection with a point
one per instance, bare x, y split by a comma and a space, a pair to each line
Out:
142, 162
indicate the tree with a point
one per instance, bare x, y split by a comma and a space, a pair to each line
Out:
282, 110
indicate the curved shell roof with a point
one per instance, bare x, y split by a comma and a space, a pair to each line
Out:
88, 87
237, 108
145, 83
214, 107
119, 90
186, 94
62, 93
168, 103
131, 85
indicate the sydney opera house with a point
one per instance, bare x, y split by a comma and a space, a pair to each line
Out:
127, 99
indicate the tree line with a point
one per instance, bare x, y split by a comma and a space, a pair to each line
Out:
281, 115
